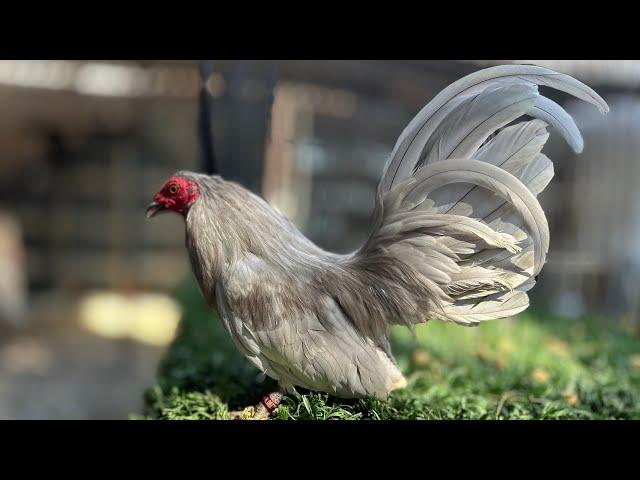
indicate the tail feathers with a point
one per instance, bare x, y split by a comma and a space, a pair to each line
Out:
497, 181
464, 98
476, 282
481, 256
499, 305
473, 120
557, 117
501, 216
448, 226
457, 202
511, 149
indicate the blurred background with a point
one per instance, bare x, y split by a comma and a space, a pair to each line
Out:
86, 303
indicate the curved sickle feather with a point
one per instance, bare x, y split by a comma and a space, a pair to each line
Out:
424, 123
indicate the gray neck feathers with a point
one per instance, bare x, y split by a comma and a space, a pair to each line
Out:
228, 222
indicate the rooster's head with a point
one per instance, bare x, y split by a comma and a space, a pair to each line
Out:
177, 194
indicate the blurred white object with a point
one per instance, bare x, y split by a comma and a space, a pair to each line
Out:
13, 292
147, 318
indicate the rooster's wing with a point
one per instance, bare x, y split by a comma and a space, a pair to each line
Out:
308, 344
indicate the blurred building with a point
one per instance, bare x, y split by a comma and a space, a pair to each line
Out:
84, 145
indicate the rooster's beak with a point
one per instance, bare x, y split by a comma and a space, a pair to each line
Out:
153, 208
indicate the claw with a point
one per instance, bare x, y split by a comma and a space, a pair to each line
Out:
260, 411
248, 413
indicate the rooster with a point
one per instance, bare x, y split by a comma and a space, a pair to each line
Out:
457, 235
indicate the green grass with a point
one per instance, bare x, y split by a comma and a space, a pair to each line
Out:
532, 367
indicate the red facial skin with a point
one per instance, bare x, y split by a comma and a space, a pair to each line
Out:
177, 194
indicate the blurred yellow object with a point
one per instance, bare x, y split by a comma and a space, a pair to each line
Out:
628, 324
421, 358
570, 397
539, 375
497, 360
482, 355
501, 363
634, 361
506, 345
557, 346
147, 318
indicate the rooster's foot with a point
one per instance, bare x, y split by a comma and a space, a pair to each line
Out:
261, 411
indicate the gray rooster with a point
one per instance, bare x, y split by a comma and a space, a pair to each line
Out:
458, 235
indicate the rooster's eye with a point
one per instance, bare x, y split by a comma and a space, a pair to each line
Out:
173, 189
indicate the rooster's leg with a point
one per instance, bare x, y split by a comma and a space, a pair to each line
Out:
261, 411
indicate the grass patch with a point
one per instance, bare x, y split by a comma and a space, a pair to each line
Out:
534, 366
